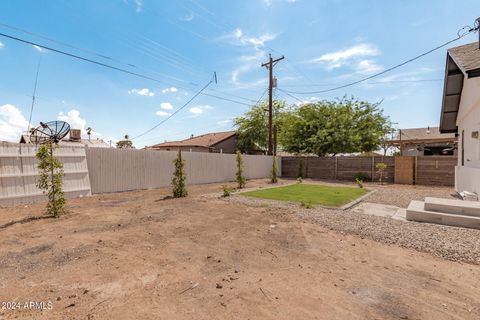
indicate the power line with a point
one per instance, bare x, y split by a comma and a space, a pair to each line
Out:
460, 35
176, 111
376, 82
108, 66
290, 95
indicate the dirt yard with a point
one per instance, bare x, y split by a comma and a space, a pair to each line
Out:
135, 256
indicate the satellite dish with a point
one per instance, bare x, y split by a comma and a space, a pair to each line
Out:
49, 132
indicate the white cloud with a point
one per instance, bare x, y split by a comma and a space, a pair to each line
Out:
339, 58
188, 17
161, 113
238, 37
171, 89
73, 118
166, 106
38, 48
138, 5
12, 123
248, 63
367, 67
196, 110
224, 123
142, 92
1, 45
75, 121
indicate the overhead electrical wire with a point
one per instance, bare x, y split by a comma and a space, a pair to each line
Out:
137, 74
459, 36
290, 95
376, 82
175, 112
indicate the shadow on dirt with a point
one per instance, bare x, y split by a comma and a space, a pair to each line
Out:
22, 221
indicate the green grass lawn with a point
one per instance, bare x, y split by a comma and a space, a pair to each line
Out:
310, 193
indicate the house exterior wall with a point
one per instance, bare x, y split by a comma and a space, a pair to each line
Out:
227, 146
468, 121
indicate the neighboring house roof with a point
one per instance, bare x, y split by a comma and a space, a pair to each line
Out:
424, 135
462, 61
207, 140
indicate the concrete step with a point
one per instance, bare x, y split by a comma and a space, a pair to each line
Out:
453, 206
416, 212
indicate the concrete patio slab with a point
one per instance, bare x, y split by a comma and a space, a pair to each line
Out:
381, 210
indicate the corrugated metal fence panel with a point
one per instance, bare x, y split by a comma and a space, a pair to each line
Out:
113, 170
19, 173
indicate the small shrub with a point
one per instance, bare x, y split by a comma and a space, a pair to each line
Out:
274, 173
361, 176
359, 182
239, 175
50, 180
300, 168
179, 177
380, 169
227, 191
306, 204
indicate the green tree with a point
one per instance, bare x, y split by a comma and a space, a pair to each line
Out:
331, 127
274, 173
179, 177
252, 127
50, 179
126, 143
239, 175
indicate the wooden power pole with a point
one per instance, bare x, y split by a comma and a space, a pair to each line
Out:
269, 65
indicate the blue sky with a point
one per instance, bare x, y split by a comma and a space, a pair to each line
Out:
180, 43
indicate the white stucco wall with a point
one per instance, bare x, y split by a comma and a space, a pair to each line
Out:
468, 121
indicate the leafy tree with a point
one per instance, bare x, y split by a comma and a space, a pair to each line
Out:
179, 177
239, 175
126, 143
50, 180
274, 174
252, 127
331, 127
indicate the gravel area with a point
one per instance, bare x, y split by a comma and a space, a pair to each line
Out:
452, 243
401, 195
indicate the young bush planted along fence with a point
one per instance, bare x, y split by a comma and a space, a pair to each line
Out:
239, 175
179, 177
274, 175
50, 180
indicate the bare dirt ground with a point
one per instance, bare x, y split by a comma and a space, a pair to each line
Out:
134, 256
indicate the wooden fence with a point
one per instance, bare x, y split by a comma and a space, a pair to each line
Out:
19, 173
428, 170
113, 170
435, 170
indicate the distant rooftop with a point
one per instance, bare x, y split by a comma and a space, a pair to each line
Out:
432, 133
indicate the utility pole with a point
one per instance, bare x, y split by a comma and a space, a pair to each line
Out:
269, 65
